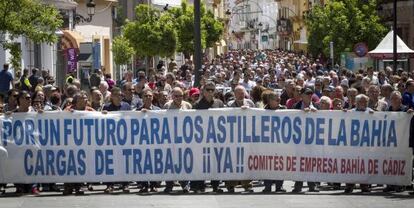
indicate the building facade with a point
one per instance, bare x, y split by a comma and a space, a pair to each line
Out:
405, 23
252, 24
77, 39
42, 55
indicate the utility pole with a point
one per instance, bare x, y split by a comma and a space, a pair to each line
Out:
395, 37
197, 43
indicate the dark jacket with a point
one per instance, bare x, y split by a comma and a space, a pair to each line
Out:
204, 104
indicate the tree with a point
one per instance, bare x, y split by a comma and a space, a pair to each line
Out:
152, 33
214, 29
211, 28
122, 50
29, 18
344, 22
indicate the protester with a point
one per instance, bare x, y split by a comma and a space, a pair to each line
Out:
269, 79
207, 101
147, 98
177, 102
273, 103
6, 80
116, 104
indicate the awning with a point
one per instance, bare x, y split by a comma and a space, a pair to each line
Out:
71, 39
385, 48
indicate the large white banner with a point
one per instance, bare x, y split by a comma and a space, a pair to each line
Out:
220, 144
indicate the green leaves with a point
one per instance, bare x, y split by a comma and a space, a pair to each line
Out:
29, 18
162, 33
214, 29
345, 22
122, 50
152, 33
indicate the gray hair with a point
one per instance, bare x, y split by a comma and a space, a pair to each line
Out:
326, 99
361, 96
104, 83
396, 93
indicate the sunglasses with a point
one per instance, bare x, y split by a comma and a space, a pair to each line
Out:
28, 98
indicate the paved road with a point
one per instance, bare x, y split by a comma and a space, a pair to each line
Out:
326, 198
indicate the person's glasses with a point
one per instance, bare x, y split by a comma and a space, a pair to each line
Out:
27, 97
15, 95
210, 90
178, 96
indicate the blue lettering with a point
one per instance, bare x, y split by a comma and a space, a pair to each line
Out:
110, 132
211, 131
158, 165
155, 126
188, 129
121, 132
222, 128
66, 130
392, 135
198, 136
355, 133
134, 130
320, 131
28, 155
265, 129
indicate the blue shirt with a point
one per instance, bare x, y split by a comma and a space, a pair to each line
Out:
5, 79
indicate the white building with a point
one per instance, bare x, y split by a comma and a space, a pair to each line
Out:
251, 21
93, 36
40, 55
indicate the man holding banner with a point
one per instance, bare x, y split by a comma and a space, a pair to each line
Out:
306, 105
243, 103
116, 104
207, 101
361, 105
273, 103
80, 103
147, 98
177, 103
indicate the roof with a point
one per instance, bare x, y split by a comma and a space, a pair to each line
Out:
385, 47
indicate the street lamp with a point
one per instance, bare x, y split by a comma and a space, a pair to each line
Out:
91, 12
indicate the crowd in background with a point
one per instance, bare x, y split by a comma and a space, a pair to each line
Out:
268, 79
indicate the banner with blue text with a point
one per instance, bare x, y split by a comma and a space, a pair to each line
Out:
219, 144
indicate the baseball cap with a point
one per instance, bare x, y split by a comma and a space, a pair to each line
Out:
194, 91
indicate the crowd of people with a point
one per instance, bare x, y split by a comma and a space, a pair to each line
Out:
267, 79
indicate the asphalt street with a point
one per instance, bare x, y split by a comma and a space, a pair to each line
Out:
97, 198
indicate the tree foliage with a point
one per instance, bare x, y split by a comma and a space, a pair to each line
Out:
162, 33
214, 28
122, 50
152, 33
344, 22
211, 28
28, 18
